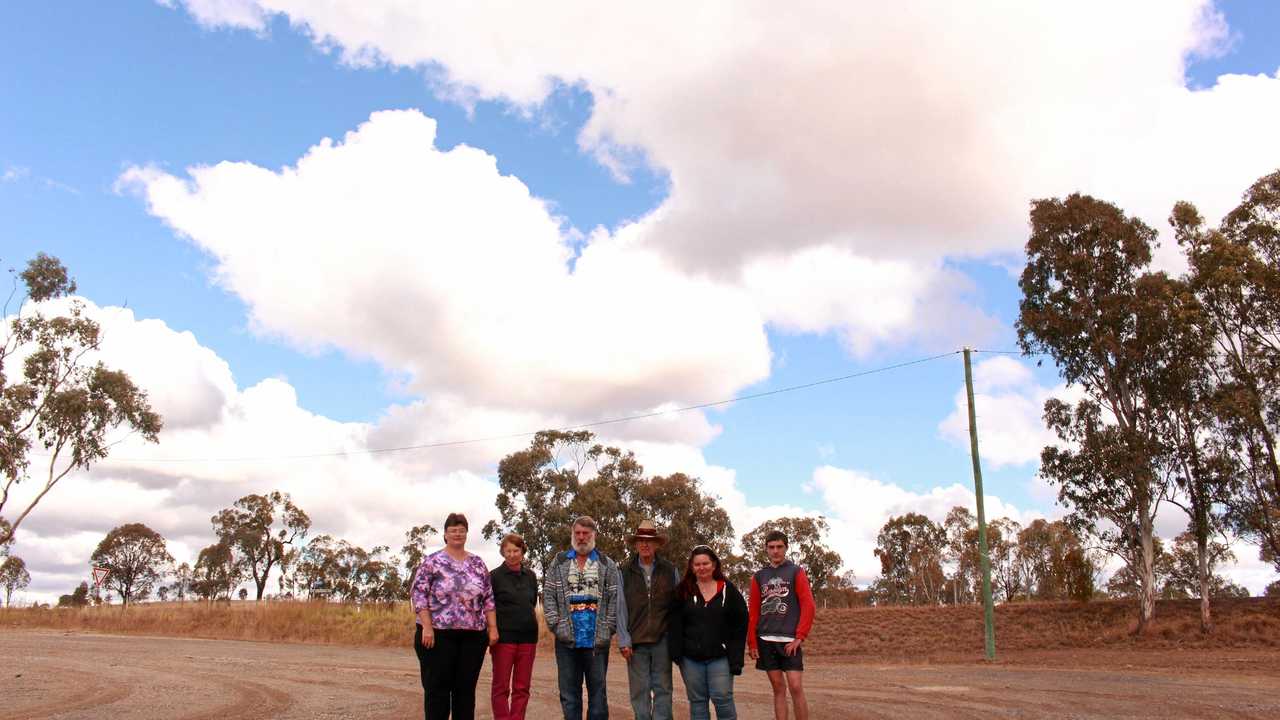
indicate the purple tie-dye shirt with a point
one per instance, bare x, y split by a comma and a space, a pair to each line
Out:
458, 594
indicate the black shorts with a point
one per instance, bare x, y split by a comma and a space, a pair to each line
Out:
773, 656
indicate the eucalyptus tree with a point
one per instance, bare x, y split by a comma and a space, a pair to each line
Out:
135, 557
1235, 274
1089, 304
54, 396
261, 529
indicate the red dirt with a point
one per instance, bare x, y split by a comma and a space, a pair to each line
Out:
74, 675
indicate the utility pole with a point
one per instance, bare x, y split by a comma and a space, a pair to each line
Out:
988, 609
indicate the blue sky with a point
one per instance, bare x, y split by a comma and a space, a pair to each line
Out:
90, 90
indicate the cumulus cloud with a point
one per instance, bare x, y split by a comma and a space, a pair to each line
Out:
439, 267
869, 303
902, 130
859, 505
1010, 408
221, 442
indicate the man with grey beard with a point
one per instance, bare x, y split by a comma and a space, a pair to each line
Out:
582, 604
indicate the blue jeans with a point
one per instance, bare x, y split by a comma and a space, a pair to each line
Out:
649, 675
573, 666
708, 680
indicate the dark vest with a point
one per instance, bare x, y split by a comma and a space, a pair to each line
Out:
648, 605
779, 608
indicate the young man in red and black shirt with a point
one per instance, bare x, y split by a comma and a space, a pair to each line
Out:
781, 616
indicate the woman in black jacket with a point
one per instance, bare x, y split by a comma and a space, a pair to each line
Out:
708, 635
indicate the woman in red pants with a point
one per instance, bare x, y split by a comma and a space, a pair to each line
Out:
515, 593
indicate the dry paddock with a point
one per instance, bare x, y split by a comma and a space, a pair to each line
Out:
72, 674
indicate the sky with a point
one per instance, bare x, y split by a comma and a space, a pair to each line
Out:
312, 228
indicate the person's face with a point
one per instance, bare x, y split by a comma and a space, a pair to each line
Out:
455, 536
646, 549
512, 554
703, 567
777, 551
583, 536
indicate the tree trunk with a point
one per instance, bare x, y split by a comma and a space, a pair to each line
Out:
1146, 567
1202, 569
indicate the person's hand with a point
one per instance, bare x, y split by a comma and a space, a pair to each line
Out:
755, 653
626, 653
791, 648
493, 636
428, 637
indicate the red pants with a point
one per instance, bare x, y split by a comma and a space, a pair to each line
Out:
512, 670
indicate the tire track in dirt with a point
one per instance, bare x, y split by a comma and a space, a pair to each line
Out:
97, 694
252, 699
89, 676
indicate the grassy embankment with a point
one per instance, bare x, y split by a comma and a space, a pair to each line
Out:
886, 632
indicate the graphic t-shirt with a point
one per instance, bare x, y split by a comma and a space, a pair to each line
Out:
583, 593
781, 604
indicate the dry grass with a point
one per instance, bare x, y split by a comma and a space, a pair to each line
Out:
923, 632
904, 633
333, 623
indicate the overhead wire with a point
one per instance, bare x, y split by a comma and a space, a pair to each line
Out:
531, 433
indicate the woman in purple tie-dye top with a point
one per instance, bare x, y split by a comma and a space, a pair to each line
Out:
453, 600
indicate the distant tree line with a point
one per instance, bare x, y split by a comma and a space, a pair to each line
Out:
927, 563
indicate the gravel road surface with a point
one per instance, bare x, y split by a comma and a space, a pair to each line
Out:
49, 674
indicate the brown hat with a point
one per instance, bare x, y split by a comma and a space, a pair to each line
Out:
647, 531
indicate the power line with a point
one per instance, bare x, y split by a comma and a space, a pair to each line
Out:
1009, 352
531, 433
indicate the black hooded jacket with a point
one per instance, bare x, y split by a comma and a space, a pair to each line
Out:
702, 630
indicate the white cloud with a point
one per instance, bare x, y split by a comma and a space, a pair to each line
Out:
869, 303
1009, 403
439, 267
896, 130
857, 506
221, 442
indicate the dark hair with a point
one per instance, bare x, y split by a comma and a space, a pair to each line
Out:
456, 519
774, 536
513, 539
689, 583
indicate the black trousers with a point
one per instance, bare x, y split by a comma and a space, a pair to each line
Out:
450, 671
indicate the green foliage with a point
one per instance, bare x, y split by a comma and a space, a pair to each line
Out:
565, 474
78, 597
1054, 564
13, 577
350, 572
1183, 576
183, 578
59, 399
536, 486
1119, 333
1235, 274
136, 558
806, 546
259, 528
217, 572
910, 549
414, 549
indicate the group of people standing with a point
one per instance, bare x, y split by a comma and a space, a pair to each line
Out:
696, 619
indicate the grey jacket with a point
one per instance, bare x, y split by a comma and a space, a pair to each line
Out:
555, 599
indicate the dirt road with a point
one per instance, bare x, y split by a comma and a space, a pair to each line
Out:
48, 674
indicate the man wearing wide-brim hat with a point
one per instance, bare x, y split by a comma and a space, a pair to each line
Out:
648, 587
